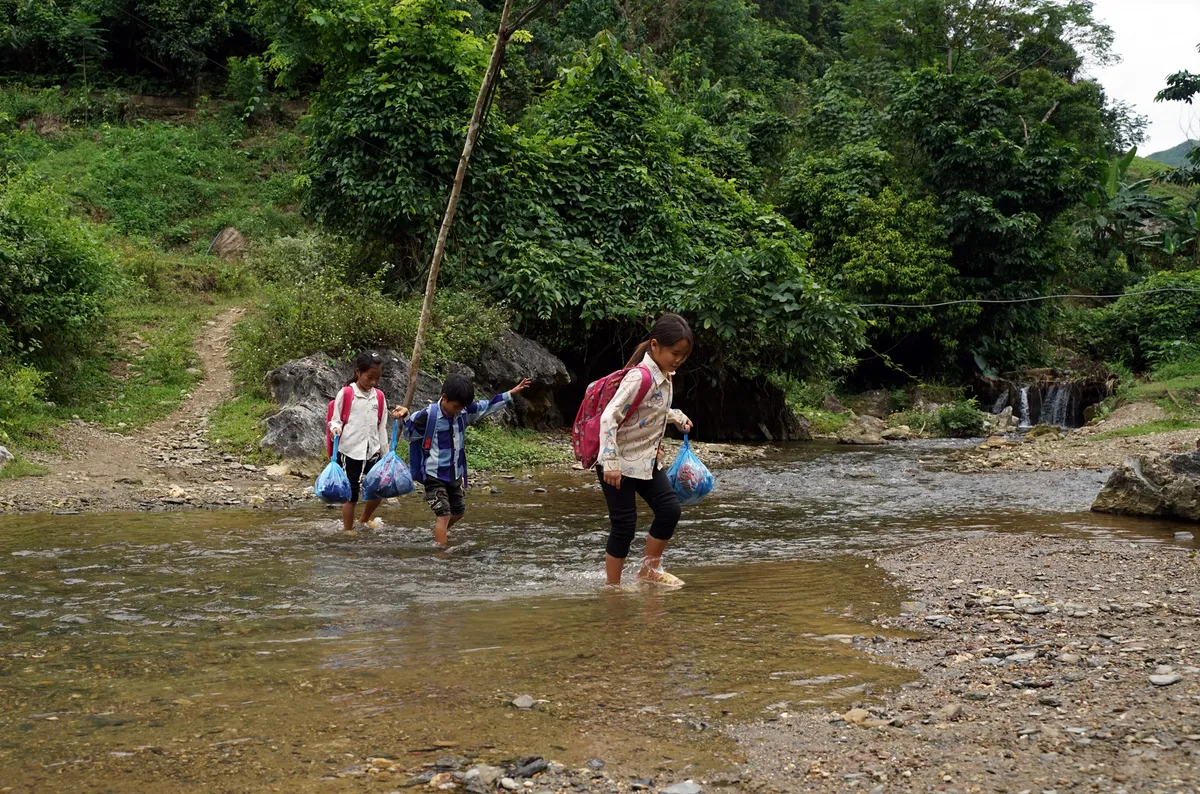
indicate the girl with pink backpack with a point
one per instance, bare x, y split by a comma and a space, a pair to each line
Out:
357, 416
630, 434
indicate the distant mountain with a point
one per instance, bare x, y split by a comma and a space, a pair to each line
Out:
1177, 156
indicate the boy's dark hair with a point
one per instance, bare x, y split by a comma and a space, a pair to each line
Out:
459, 389
368, 359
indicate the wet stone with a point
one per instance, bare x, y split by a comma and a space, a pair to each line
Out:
524, 702
1165, 680
686, 787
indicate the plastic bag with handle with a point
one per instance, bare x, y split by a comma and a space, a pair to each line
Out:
690, 478
389, 477
333, 486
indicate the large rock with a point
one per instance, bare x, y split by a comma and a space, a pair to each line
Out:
228, 244
6, 457
866, 431
876, 403
504, 362
303, 388
1154, 485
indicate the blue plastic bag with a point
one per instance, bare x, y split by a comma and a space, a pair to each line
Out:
690, 478
333, 486
389, 477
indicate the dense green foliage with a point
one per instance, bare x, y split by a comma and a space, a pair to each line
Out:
55, 276
325, 314
762, 166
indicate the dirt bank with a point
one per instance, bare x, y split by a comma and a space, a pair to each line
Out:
1091, 447
1045, 665
167, 465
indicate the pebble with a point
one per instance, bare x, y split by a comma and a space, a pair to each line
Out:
508, 784
524, 702
641, 784
1165, 680
595, 763
1070, 658
686, 787
950, 712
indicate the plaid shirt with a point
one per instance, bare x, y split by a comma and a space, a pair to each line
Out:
446, 458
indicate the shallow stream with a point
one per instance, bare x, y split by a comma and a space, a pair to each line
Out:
245, 651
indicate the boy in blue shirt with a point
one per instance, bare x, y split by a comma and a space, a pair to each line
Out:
437, 454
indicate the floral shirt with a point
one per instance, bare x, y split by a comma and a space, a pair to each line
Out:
632, 447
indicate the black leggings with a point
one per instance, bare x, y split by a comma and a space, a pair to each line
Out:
622, 510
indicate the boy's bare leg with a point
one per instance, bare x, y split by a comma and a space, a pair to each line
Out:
441, 529
348, 516
369, 508
651, 570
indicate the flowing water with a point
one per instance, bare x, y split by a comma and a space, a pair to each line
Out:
246, 651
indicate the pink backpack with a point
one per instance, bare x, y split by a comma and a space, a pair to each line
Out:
585, 433
347, 401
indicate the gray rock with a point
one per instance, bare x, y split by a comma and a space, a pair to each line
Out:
530, 768
863, 431
1070, 658
1154, 485
228, 244
900, 433
950, 711
481, 779
1036, 610
524, 702
1184, 536
833, 405
641, 784
303, 388
1165, 680
505, 361
876, 403
508, 784
595, 763
686, 787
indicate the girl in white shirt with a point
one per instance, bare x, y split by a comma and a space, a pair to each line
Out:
364, 436
630, 443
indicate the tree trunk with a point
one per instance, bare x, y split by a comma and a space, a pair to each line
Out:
439, 250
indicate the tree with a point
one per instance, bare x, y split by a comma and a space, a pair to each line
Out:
1181, 87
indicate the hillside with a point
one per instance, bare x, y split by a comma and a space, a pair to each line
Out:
1175, 156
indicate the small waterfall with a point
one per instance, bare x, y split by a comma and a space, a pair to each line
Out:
1001, 402
1026, 421
1058, 405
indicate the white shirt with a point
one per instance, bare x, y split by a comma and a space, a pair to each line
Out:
365, 434
633, 446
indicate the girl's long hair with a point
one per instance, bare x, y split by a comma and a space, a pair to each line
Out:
668, 330
368, 359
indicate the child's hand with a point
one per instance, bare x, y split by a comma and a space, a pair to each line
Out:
686, 427
399, 412
520, 387
613, 477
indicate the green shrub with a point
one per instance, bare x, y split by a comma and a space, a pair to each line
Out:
961, 419
495, 448
235, 428
180, 184
55, 276
326, 315
21, 401
1148, 329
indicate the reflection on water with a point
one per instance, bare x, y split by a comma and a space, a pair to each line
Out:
237, 651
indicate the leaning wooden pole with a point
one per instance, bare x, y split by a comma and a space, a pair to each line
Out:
481, 101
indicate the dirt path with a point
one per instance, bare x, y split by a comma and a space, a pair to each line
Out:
166, 464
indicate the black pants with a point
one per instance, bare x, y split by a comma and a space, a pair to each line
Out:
622, 510
355, 471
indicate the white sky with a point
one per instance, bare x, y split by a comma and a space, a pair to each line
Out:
1154, 38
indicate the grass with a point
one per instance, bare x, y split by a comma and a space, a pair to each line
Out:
147, 365
235, 428
177, 184
494, 448
1150, 428
22, 467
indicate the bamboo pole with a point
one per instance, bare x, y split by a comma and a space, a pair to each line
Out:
481, 101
